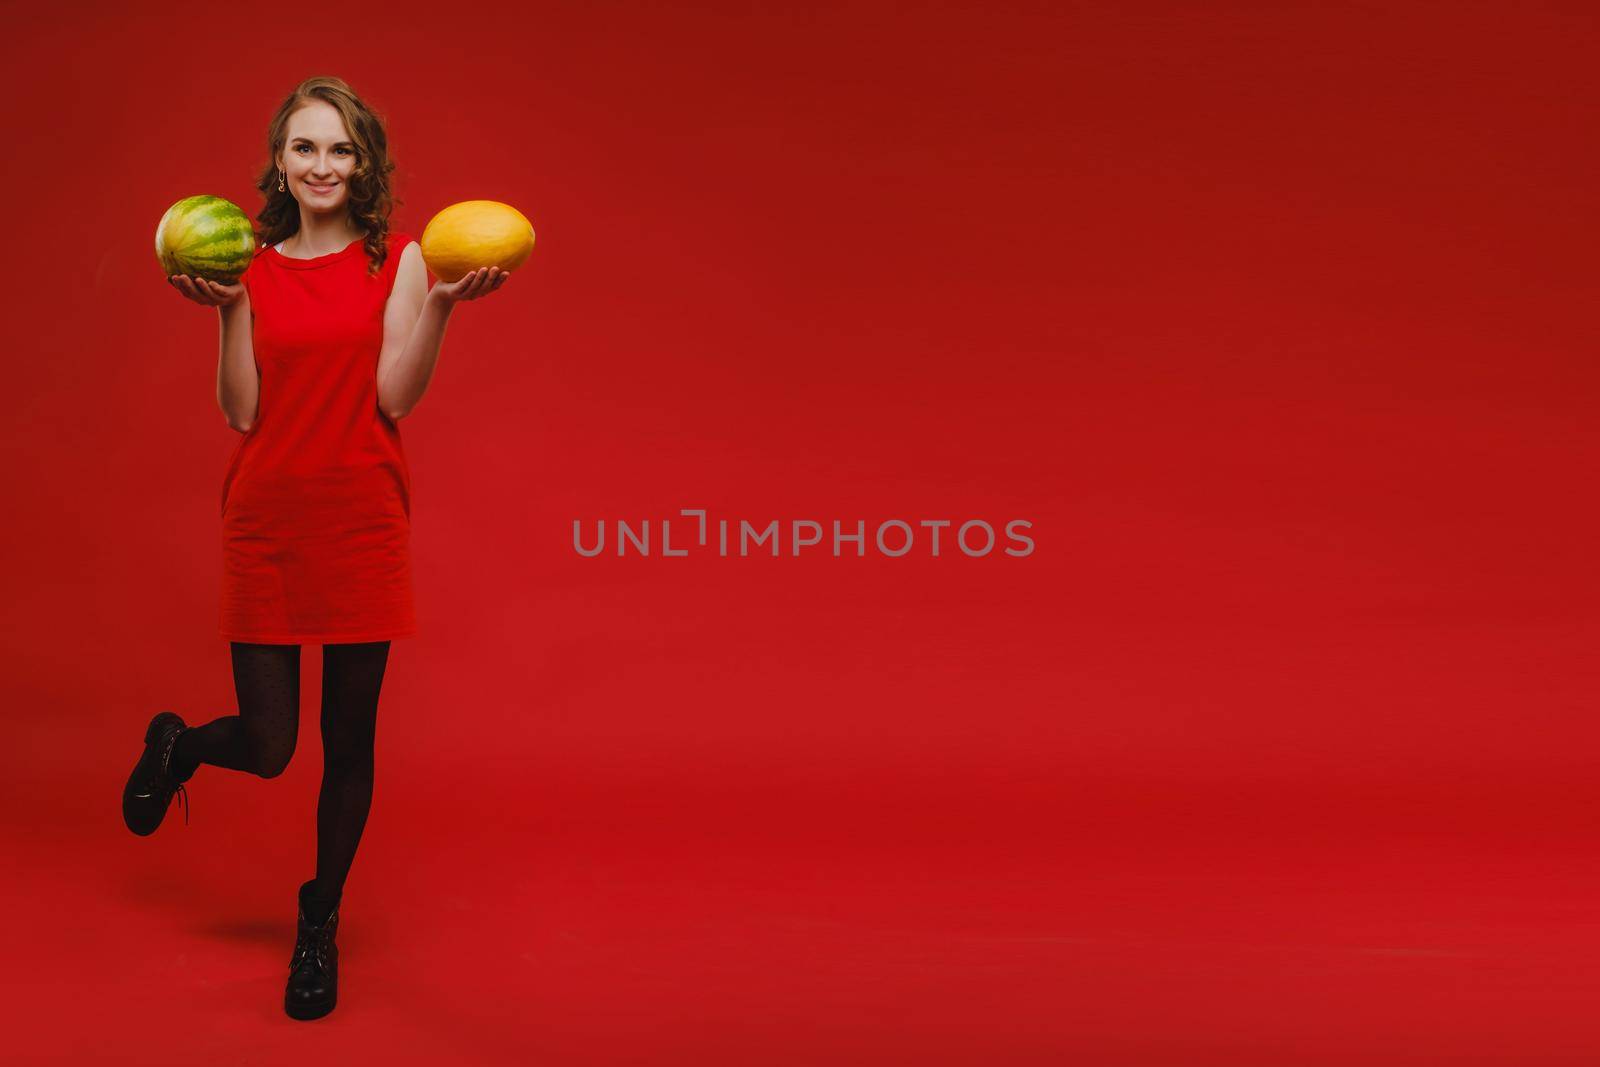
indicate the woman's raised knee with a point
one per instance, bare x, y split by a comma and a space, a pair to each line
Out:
273, 762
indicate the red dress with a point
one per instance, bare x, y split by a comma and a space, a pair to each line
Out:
316, 504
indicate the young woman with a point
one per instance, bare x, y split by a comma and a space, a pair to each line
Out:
328, 341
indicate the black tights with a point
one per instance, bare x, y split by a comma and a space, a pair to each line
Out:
261, 738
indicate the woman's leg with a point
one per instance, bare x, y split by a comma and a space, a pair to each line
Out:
352, 675
261, 738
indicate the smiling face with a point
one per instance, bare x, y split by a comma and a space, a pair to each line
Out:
318, 158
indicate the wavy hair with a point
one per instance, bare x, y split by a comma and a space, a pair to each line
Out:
371, 201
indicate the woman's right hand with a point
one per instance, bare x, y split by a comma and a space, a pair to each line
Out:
207, 292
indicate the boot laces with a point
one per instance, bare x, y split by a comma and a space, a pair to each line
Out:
168, 782
311, 945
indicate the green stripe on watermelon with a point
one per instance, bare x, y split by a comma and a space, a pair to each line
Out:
223, 240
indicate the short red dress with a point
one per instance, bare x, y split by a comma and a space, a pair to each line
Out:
316, 504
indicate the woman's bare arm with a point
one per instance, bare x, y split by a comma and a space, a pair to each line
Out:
238, 380
414, 322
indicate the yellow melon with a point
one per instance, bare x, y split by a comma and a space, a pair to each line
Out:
473, 234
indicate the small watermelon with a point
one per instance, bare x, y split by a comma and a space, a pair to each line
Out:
206, 236
473, 234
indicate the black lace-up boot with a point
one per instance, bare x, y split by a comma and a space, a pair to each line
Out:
314, 968
153, 782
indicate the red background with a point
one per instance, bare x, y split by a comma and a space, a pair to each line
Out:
1277, 750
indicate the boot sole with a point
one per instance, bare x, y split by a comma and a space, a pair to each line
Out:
309, 1011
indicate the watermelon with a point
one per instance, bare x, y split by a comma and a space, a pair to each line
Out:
206, 236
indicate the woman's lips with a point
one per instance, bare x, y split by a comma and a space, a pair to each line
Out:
315, 188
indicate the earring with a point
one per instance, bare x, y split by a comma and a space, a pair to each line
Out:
280, 181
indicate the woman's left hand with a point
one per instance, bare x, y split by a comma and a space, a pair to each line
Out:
480, 282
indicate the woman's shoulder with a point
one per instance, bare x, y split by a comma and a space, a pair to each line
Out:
399, 245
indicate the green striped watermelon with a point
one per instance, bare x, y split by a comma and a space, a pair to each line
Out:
205, 236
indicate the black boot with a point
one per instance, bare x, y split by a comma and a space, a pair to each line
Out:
151, 785
314, 968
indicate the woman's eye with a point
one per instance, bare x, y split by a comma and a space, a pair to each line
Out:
341, 148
